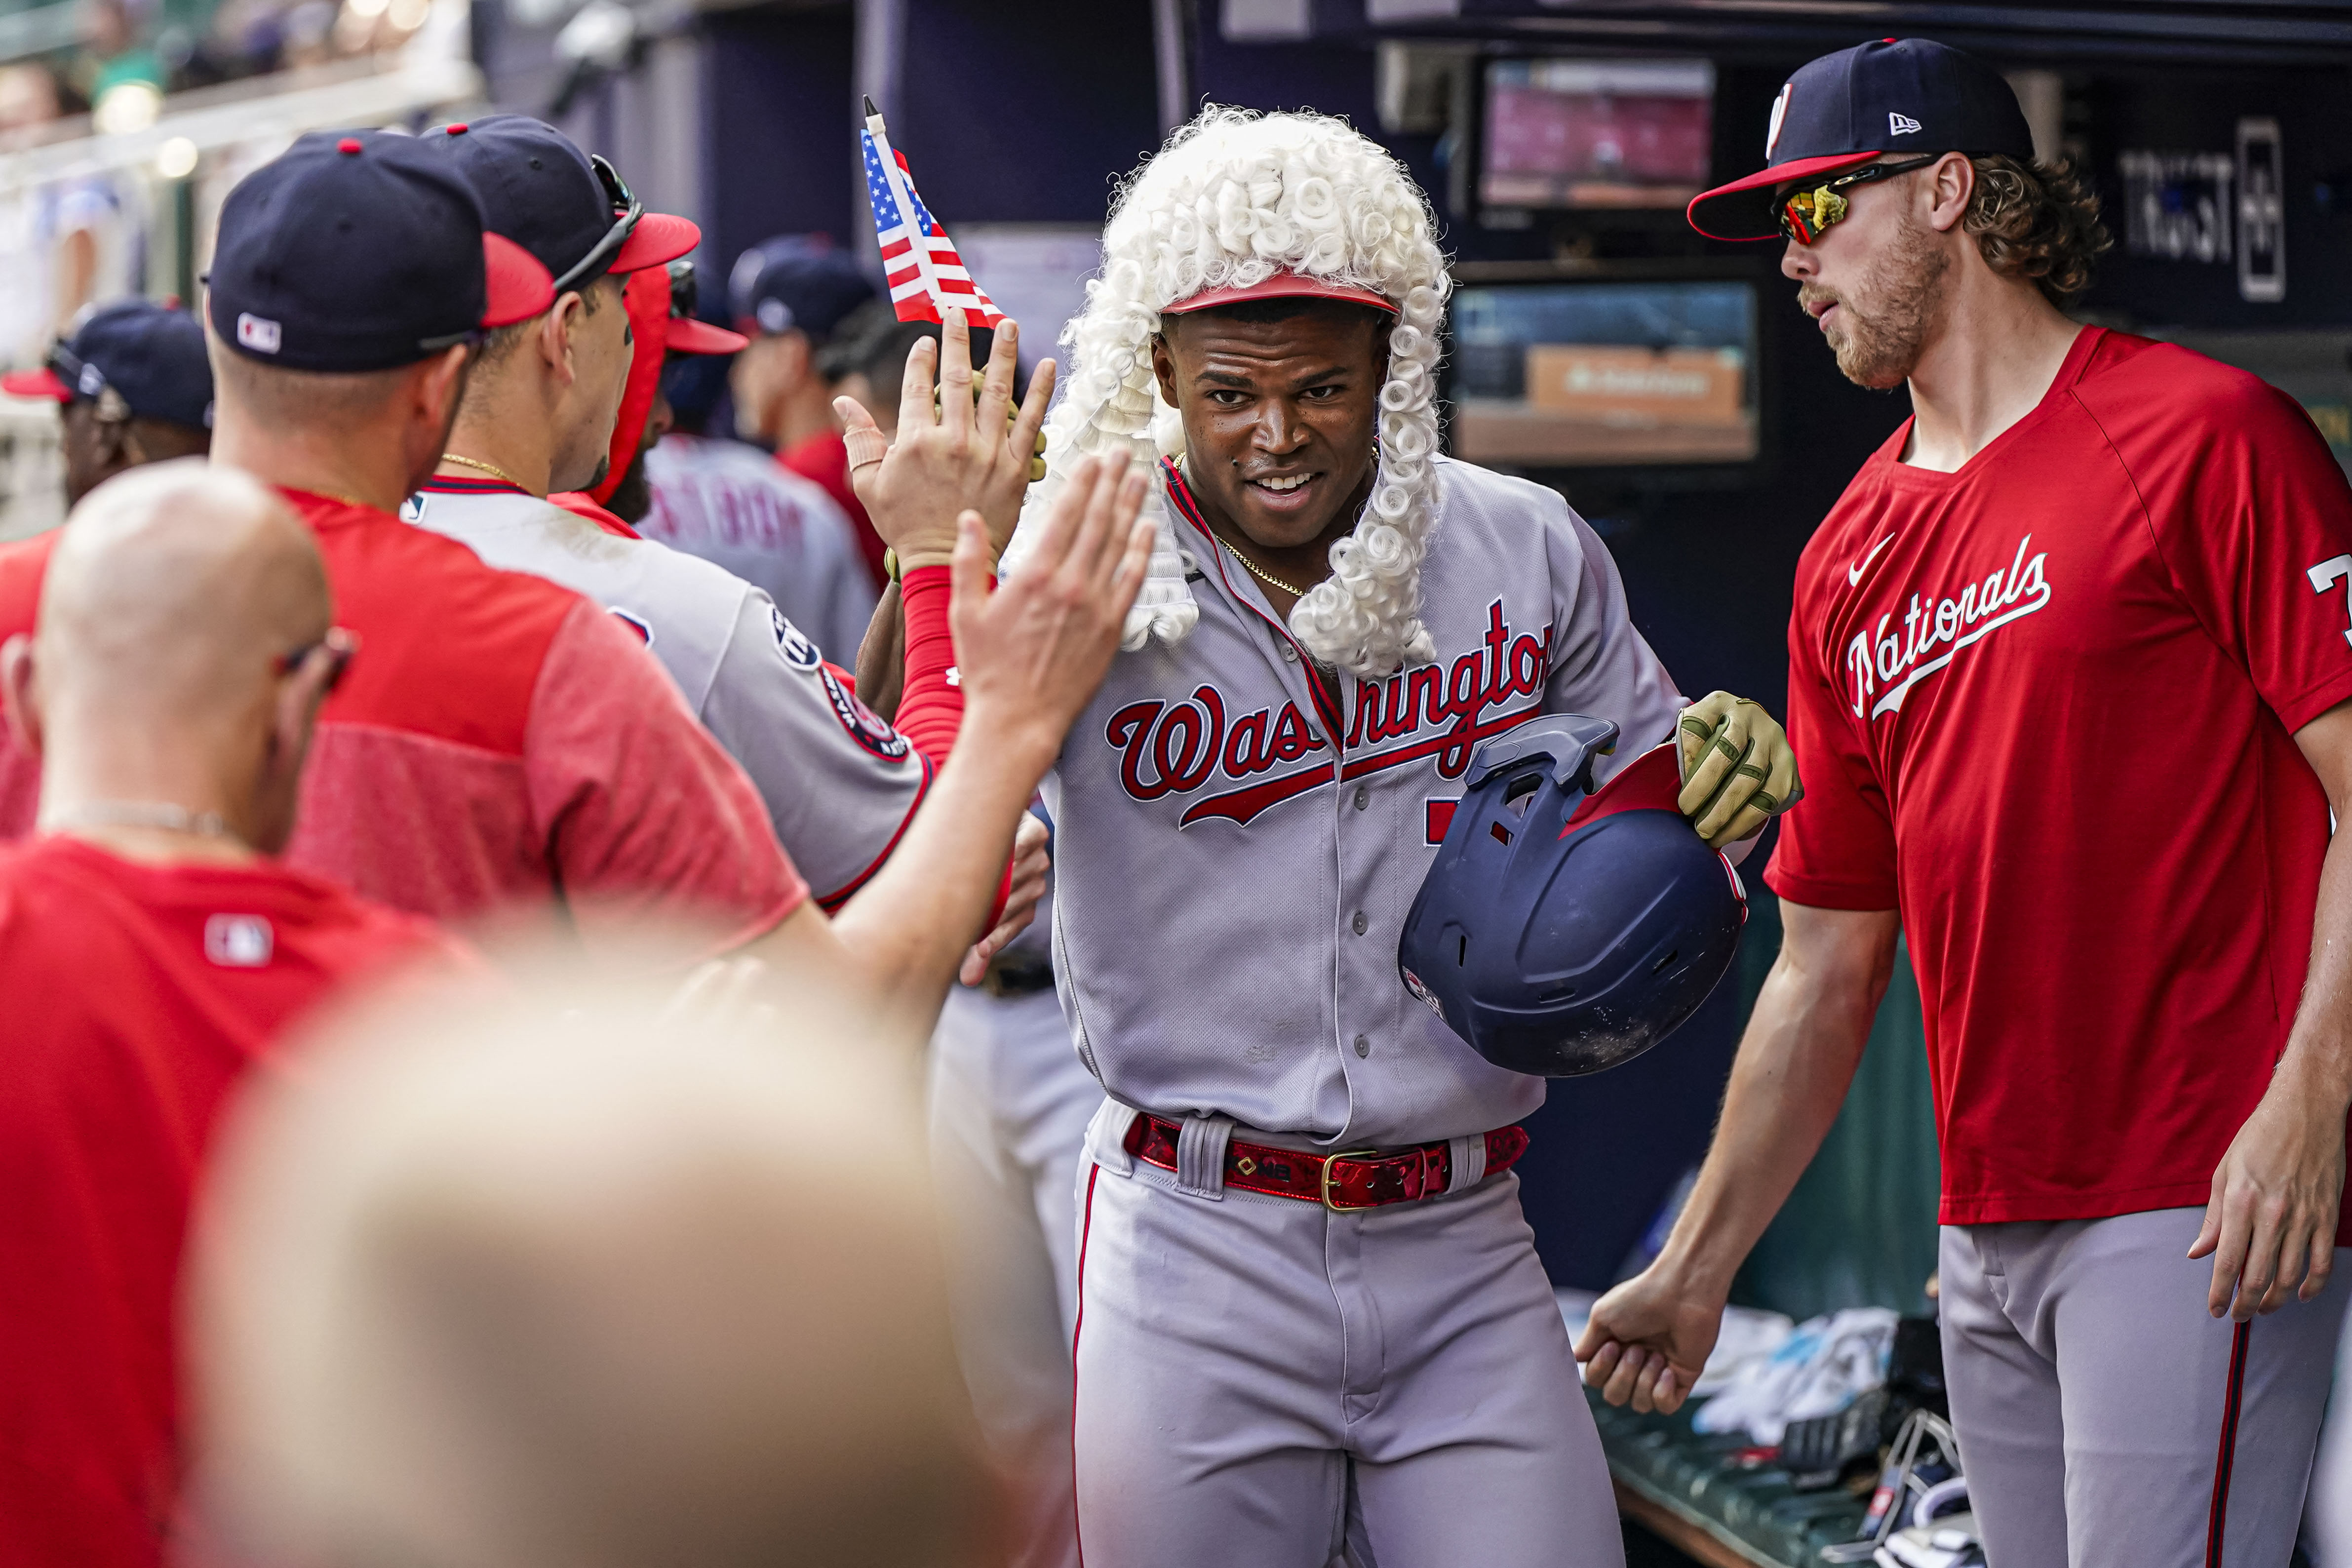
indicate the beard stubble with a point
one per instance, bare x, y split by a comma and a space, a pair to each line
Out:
1888, 315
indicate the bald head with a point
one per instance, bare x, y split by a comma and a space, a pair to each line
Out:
157, 674
572, 1280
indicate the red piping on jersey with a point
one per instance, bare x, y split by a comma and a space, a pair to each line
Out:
829, 902
1326, 704
1077, 1327
2217, 1517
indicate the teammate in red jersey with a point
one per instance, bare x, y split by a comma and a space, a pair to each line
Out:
511, 746
2070, 687
151, 953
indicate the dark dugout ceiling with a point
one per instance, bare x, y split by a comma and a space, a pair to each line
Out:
2209, 32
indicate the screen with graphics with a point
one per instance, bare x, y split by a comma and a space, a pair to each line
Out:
1596, 134
1605, 373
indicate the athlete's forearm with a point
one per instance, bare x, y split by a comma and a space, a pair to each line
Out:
909, 927
1795, 1062
931, 710
881, 657
2318, 1061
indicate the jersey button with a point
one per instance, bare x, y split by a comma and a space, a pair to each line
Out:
1360, 923
1289, 653
1364, 1047
1363, 797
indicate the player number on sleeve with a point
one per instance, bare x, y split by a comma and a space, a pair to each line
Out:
2327, 575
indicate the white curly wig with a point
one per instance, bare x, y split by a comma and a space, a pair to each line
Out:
1233, 198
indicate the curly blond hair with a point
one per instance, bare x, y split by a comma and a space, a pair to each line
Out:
2039, 221
1233, 197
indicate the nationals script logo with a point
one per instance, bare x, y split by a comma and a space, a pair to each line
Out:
1879, 656
1173, 748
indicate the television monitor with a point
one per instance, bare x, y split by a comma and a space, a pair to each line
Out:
1605, 373
1567, 133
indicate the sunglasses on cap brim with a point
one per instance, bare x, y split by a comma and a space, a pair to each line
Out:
1805, 214
626, 210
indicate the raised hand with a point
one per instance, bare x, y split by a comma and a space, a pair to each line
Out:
952, 451
1738, 769
1031, 655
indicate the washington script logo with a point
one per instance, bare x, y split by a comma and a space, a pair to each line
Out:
1173, 748
1879, 657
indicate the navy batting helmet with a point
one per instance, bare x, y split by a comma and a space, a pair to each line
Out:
1563, 931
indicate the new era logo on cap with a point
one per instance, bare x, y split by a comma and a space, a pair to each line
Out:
1900, 124
256, 333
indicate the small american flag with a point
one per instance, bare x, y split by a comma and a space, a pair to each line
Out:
926, 273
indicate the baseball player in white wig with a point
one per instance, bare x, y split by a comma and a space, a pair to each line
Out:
1237, 203
1310, 1317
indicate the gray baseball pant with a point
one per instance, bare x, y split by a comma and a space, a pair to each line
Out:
1262, 1381
1009, 1105
2090, 1389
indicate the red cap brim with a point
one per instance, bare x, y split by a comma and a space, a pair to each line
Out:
1282, 285
1747, 203
520, 288
658, 237
36, 384
692, 337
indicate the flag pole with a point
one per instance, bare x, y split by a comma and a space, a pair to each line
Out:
895, 177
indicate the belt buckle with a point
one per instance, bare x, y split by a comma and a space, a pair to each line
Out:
1331, 1162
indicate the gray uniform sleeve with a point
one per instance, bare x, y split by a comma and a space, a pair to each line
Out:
1599, 664
840, 784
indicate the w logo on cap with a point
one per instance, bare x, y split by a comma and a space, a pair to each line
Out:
258, 333
1780, 113
1900, 124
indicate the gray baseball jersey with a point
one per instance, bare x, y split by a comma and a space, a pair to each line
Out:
839, 783
1239, 834
738, 507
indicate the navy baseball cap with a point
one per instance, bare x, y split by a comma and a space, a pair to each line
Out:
362, 250
570, 210
795, 281
1896, 95
151, 356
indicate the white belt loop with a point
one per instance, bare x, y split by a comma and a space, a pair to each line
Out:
1468, 1162
1107, 1137
1200, 1156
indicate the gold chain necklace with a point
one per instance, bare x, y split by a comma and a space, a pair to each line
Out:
485, 467
1262, 575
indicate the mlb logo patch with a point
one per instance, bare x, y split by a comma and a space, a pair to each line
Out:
239, 942
258, 333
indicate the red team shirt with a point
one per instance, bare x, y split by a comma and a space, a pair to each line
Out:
2044, 707
181, 978
498, 741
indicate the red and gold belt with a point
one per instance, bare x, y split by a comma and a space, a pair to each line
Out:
1353, 1179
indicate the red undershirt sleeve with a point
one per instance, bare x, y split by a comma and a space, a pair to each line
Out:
932, 711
